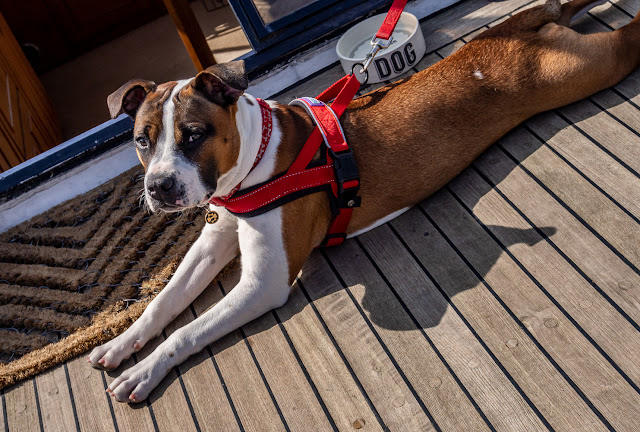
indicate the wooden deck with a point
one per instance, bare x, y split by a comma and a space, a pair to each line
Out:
508, 301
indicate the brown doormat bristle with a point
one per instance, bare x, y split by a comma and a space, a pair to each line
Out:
81, 273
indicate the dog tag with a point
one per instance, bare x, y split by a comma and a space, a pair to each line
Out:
211, 217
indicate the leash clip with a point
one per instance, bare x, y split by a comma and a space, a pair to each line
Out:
376, 45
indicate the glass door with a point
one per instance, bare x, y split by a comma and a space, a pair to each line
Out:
290, 24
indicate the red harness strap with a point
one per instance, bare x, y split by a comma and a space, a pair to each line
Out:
339, 175
340, 157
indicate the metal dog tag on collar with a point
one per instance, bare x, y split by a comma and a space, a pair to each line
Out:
211, 217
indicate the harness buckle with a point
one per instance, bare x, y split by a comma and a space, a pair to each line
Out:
335, 239
347, 178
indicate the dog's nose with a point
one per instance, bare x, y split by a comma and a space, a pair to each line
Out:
163, 188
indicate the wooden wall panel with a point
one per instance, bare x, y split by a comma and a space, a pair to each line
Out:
28, 123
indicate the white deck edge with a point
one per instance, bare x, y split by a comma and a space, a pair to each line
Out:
93, 173
74, 182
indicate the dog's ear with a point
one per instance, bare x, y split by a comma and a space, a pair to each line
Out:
128, 98
223, 83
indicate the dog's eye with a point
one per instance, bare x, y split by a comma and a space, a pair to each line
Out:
194, 136
142, 141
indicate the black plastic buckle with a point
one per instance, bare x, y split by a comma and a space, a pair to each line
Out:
346, 170
341, 236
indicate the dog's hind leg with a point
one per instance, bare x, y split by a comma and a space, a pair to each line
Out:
529, 20
575, 9
532, 19
573, 66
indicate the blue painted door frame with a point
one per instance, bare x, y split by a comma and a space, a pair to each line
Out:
299, 28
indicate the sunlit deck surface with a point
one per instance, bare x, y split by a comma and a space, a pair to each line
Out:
508, 301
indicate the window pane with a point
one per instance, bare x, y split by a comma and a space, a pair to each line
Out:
272, 10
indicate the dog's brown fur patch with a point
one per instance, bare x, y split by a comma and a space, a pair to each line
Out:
412, 137
149, 119
219, 151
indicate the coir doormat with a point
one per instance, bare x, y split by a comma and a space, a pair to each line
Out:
82, 272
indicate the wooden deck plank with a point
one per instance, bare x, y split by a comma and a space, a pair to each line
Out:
462, 19
435, 385
630, 87
520, 145
427, 61
509, 343
504, 18
617, 181
629, 6
169, 405
375, 370
449, 49
131, 416
612, 223
616, 335
606, 131
289, 386
5, 421
576, 242
611, 15
335, 384
300, 407
55, 400
22, 411
617, 106
94, 413
251, 399
555, 333
210, 404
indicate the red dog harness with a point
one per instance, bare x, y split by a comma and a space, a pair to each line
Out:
337, 173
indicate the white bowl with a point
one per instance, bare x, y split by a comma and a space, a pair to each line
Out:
407, 48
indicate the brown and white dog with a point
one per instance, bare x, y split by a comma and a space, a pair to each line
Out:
198, 138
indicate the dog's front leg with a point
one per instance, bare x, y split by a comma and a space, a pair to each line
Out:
216, 246
263, 286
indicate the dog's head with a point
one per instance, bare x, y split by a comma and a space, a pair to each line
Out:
185, 133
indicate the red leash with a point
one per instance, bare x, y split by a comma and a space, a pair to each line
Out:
390, 21
338, 175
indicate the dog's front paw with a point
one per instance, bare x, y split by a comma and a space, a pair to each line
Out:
135, 384
110, 355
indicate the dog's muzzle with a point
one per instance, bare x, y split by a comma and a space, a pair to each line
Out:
164, 189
